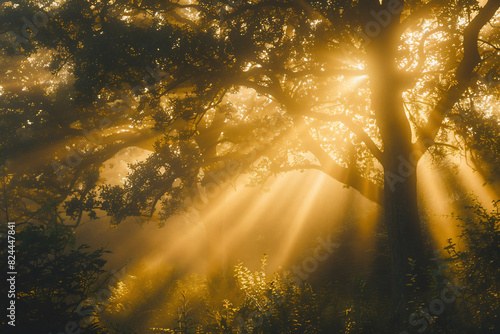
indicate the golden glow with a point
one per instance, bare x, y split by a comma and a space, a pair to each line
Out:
437, 202
476, 183
439, 197
308, 190
292, 208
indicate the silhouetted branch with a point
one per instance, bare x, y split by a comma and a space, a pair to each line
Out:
463, 75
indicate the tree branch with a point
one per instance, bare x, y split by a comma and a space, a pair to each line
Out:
357, 130
347, 176
463, 75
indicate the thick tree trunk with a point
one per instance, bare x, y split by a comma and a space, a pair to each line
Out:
400, 187
405, 232
406, 236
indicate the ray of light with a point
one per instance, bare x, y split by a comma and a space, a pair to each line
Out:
175, 248
256, 208
310, 190
438, 206
476, 183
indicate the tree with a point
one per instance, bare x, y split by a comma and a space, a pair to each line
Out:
359, 90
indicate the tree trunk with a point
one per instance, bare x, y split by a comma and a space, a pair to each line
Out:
406, 239
400, 175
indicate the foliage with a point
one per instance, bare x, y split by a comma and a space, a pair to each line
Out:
480, 133
174, 304
54, 276
477, 266
53, 279
276, 305
155, 300
280, 303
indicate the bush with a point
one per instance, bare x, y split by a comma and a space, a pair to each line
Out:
478, 268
